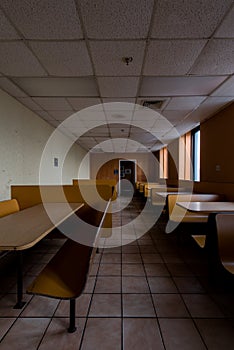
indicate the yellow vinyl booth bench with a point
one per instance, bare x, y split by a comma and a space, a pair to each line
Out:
193, 221
64, 277
8, 207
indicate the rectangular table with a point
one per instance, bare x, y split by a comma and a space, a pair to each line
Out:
23, 229
207, 207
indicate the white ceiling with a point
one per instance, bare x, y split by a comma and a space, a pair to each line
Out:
58, 57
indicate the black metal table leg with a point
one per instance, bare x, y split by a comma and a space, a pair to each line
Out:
20, 303
72, 324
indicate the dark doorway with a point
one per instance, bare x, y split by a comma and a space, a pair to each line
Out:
127, 176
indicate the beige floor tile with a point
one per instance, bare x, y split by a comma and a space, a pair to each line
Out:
169, 305
8, 284
94, 269
179, 269
130, 249
188, 285
138, 305
40, 307
151, 258
171, 258
114, 250
108, 285
102, 333
82, 305
217, 333
127, 242
109, 270
5, 324
109, 258
139, 334
57, 337
162, 285
7, 303
180, 334
134, 285
133, 270
156, 270
35, 269
107, 305
90, 285
148, 249
26, 333
201, 305
131, 258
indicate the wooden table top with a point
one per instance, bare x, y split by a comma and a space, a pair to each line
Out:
208, 207
25, 228
165, 194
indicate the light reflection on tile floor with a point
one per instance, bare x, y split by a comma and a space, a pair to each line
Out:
151, 293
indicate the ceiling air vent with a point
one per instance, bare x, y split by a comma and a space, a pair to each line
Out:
155, 104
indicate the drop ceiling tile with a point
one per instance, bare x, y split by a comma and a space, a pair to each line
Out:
53, 103
54, 123
28, 102
119, 132
7, 31
61, 115
63, 58
171, 57
45, 115
120, 99
7, 85
54, 19
80, 103
17, 60
175, 133
208, 108
188, 19
145, 125
176, 86
184, 103
175, 117
226, 89
93, 123
226, 29
58, 86
116, 19
144, 114
108, 57
161, 125
92, 116
100, 139
217, 58
118, 86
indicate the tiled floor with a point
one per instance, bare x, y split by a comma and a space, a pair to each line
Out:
151, 293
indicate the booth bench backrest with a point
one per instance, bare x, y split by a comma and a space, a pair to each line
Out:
178, 214
8, 207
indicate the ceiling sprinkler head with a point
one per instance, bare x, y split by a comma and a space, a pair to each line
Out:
127, 60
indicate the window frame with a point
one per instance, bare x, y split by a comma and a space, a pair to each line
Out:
194, 156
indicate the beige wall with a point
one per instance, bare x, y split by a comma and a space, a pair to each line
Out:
217, 147
146, 161
23, 136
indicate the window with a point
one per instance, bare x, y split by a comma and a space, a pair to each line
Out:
189, 156
185, 165
196, 154
163, 159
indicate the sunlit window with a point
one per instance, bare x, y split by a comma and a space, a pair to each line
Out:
196, 154
163, 159
185, 164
